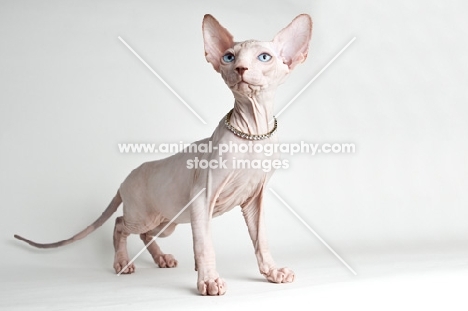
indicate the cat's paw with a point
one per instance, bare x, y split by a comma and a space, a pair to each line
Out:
122, 264
282, 275
165, 261
212, 287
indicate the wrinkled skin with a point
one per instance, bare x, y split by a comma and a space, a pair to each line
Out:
156, 191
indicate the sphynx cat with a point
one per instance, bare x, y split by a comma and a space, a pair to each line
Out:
156, 191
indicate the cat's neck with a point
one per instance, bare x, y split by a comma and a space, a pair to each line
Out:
252, 115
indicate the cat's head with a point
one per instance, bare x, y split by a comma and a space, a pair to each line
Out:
252, 66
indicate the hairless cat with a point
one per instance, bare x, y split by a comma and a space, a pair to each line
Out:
155, 192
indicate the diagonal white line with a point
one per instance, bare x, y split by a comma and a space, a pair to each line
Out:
313, 231
314, 78
161, 79
161, 231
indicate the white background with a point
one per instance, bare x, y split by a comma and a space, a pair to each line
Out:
396, 210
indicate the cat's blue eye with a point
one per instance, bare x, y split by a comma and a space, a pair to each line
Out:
264, 57
229, 58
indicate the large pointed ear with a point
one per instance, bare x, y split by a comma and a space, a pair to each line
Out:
292, 43
216, 39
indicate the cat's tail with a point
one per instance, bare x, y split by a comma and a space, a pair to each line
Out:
111, 209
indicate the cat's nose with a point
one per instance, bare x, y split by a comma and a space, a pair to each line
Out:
241, 70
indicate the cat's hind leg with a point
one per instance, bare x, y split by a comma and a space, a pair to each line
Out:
120, 245
161, 259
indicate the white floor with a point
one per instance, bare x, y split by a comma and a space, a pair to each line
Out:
417, 278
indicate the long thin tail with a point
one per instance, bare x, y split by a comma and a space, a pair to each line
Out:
111, 209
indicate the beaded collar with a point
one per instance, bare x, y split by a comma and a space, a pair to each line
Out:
245, 135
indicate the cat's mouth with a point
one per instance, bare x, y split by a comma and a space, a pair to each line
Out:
245, 87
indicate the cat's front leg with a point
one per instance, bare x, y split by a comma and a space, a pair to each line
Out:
209, 282
253, 215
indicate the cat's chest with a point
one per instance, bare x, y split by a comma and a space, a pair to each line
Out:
239, 189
